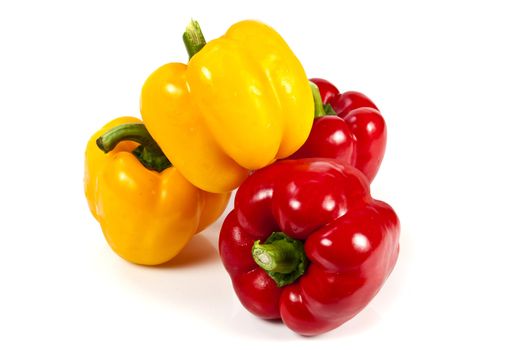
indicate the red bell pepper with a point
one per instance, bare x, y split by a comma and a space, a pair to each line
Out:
356, 135
305, 242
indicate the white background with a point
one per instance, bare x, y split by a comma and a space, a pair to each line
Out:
449, 78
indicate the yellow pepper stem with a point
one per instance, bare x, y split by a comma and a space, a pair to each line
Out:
193, 38
148, 152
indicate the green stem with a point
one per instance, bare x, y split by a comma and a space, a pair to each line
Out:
320, 109
148, 152
193, 38
282, 257
276, 257
318, 102
329, 110
130, 132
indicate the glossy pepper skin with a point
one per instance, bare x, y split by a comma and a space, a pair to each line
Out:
146, 216
350, 240
240, 103
356, 135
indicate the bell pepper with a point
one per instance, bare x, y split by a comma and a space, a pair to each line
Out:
242, 101
145, 207
347, 127
307, 243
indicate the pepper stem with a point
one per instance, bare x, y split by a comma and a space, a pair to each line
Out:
148, 152
193, 38
282, 257
318, 102
320, 109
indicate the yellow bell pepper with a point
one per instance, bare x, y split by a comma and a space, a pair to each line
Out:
241, 102
147, 210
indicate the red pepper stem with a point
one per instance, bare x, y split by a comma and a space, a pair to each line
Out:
282, 257
148, 152
276, 257
193, 38
318, 102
